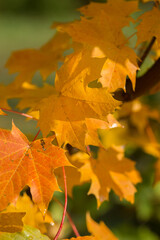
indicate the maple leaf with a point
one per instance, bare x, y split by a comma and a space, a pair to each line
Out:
65, 115
117, 9
33, 216
11, 221
22, 163
149, 26
65, 112
110, 171
105, 41
99, 231
45, 59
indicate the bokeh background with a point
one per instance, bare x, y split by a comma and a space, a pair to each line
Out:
26, 24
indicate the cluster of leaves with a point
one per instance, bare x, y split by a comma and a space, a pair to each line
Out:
83, 107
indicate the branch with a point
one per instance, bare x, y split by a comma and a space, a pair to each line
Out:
65, 205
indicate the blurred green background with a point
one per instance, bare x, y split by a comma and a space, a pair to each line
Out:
26, 24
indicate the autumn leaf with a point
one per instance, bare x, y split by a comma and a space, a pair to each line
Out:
27, 233
151, 20
111, 170
65, 112
33, 216
65, 115
106, 41
99, 231
22, 163
117, 9
28, 62
11, 221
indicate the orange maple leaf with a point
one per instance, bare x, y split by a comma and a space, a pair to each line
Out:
22, 163
110, 171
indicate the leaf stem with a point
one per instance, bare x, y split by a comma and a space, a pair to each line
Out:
74, 228
12, 111
65, 205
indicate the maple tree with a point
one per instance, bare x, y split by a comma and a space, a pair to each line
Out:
91, 103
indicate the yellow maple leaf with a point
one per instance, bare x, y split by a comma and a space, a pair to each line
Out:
28, 62
66, 114
33, 216
106, 41
117, 9
149, 26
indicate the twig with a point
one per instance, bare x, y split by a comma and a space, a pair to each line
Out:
12, 111
69, 218
145, 54
65, 205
